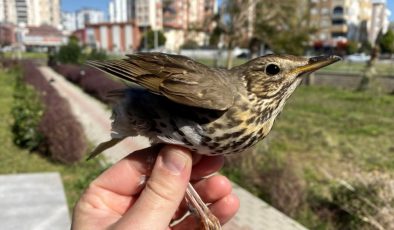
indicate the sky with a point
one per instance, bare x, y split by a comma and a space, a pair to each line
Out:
390, 4
73, 5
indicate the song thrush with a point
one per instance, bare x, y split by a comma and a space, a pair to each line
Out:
208, 110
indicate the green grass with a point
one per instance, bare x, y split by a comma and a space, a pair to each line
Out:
383, 69
339, 125
15, 160
27, 55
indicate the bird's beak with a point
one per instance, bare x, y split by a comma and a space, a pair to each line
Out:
316, 63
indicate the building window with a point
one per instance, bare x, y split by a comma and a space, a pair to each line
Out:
338, 10
314, 11
339, 21
338, 34
325, 23
325, 10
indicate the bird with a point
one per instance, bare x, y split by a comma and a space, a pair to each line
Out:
211, 111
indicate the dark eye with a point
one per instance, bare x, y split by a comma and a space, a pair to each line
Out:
272, 69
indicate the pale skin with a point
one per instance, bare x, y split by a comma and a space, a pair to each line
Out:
120, 198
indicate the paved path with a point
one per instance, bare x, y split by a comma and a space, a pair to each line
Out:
33, 202
94, 117
254, 214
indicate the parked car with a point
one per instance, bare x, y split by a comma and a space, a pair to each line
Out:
361, 57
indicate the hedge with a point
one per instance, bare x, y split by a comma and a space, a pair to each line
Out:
63, 136
91, 80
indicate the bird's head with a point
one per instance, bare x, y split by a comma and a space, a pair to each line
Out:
271, 79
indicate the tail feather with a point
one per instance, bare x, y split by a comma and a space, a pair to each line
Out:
103, 146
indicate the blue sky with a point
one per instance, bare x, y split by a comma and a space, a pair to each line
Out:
390, 4
72, 5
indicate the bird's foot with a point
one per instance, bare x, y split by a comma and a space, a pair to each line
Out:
200, 210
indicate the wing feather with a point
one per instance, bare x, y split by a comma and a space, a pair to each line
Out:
176, 77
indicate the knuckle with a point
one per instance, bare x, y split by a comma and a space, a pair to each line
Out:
161, 189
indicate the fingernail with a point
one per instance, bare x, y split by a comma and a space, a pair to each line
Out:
174, 160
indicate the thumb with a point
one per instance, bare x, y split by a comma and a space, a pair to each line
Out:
164, 191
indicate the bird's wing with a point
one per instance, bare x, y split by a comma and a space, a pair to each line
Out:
176, 77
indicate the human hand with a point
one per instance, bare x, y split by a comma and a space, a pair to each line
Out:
122, 198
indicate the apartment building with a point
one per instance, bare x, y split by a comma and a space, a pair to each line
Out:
77, 20
146, 13
114, 37
348, 19
379, 20
188, 14
31, 12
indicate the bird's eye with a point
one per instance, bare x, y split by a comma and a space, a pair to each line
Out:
272, 69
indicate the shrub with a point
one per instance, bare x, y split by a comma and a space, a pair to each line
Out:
271, 177
149, 39
92, 81
27, 111
97, 54
63, 137
71, 52
8, 63
69, 71
366, 202
190, 44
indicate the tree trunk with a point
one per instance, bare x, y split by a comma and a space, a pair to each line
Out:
368, 81
229, 62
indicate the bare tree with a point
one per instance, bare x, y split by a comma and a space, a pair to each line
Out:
284, 25
234, 22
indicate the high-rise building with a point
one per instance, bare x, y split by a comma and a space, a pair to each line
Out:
188, 14
121, 10
175, 14
348, 19
7, 11
379, 20
69, 21
146, 13
31, 12
88, 16
77, 20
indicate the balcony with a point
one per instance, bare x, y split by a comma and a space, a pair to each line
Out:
338, 21
339, 28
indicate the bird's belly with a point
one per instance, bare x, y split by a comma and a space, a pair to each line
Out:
204, 131
213, 138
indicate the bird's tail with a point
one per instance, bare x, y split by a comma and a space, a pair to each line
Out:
103, 146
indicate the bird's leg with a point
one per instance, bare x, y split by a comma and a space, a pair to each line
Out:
200, 210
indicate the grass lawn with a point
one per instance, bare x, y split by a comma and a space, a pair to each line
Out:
15, 160
27, 55
382, 68
323, 135
355, 128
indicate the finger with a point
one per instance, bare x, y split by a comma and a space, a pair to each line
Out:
210, 190
224, 209
126, 176
213, 188
163, 191
206, 166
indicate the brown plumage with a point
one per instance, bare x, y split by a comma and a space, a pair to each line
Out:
208, 110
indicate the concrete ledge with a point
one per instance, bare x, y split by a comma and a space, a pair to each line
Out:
33, 201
